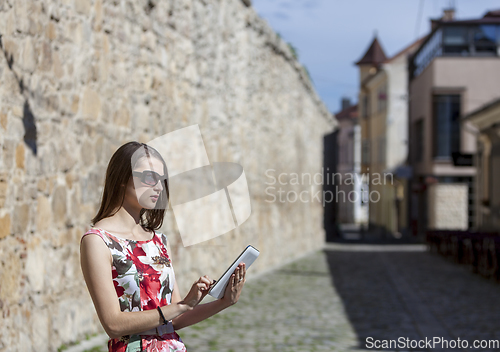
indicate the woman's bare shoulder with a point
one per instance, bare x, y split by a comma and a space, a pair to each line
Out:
95, 244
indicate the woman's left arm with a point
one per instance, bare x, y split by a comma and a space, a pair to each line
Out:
204, 311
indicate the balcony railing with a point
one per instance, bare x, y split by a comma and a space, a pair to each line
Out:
457, 40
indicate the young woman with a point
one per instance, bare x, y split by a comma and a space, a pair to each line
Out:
126, 265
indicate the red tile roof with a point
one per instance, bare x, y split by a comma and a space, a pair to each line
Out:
495, 13
348, 113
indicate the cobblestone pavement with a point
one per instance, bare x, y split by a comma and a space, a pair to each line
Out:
414, 294
294, 308
332, 300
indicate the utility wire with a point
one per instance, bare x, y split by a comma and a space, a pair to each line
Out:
419, 18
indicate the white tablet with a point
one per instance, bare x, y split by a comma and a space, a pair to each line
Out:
248, 256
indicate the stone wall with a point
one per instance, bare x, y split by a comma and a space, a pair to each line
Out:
78, 78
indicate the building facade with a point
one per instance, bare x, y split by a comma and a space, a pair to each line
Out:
486, 120
352, 206
383, 108
454, 72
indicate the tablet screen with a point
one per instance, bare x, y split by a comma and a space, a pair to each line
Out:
248, 256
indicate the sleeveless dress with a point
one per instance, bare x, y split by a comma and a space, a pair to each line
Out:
144, 278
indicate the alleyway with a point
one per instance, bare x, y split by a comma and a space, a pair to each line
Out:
384, 292
334, 299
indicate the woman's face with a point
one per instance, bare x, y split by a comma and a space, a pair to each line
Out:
141, 194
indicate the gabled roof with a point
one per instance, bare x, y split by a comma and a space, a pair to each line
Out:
348, 113
374, 55
410, 49
494, 13
490, 105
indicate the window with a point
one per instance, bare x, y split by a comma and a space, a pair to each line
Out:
382, 98
494, 190
365, 107
365, 154
446, 132
486, 38
471, 40
350, 148
418, 151
456, 40
381, 150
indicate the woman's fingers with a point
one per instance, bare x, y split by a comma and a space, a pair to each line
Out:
239, 273
202, 286
205, 282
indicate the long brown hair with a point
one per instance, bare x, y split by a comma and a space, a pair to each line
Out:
118, 173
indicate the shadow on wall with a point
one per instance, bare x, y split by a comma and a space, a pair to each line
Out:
29, 127
30, 132
330, 209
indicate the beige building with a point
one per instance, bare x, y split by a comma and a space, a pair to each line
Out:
351, 207
384, 132
487, 162
454, 72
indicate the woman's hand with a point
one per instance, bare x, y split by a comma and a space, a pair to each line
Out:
235, 285
198, 291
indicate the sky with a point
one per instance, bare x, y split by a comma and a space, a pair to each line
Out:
331, 35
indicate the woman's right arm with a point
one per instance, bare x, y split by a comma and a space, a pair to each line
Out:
96, 263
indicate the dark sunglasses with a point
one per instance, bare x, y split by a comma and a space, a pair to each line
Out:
149, 177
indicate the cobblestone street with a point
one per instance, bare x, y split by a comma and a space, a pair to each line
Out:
384, 292
332, 300
294, 308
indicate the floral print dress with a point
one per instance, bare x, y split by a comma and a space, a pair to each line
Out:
144, 278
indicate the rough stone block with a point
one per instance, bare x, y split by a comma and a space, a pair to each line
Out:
122, 117
21, 218
11, 49
20, 150
42, 185
59, 204
91, 104
70, 177
58, 67
3, 120
29, 59
97, 15
4, 226
46, 55
35, 268
40, 325
43, 214
83, 6
10, 278
51, 31
75, 104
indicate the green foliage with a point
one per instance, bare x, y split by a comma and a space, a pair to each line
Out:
290, 45
294, 51
295, 55
95, 349
213, 345
307, 73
